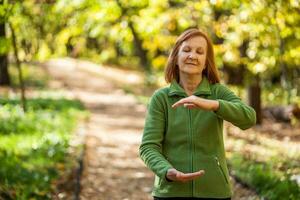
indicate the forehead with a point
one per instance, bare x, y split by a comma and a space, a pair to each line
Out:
196, 41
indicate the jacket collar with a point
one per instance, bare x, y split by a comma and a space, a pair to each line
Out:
203, 88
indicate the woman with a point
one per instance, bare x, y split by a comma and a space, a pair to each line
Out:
183, 135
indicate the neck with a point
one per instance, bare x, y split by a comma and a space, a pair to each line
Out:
189, 82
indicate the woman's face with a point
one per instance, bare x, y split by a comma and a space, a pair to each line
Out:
192, 55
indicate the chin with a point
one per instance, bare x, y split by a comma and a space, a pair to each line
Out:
191, 71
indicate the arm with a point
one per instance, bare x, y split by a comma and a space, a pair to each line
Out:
151, 147
227, 106
232, 109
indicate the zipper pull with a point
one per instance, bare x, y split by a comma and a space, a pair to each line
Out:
217, 160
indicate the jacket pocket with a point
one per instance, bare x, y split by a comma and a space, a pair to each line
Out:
221, 169
214, 182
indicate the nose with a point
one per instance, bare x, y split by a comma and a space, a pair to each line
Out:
192, 56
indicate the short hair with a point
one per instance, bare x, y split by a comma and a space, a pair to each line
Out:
210, 71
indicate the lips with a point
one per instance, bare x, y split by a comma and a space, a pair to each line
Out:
191, 64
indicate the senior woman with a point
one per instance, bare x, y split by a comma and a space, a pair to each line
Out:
183, 135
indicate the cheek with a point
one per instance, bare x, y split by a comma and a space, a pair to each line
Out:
181, 58
203, 58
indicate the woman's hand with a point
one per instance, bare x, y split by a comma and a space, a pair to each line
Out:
197, 102
176, 175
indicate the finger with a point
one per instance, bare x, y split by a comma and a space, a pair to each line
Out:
190, 105
179, 175
182, 102
178, 103
191, 176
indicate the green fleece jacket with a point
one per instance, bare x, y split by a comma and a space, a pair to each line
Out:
191, 139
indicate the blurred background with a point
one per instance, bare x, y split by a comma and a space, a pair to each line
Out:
65, 63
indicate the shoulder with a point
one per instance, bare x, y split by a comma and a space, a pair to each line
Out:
158, 100
219, 89
161, 92
160, 95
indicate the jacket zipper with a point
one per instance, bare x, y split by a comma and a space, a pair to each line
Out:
191, 148
220, 167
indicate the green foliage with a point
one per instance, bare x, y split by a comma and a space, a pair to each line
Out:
107, 31
271, 179
34, 145
33, 76
276, 95
4, 45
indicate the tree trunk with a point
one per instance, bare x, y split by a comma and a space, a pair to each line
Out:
14, 42
140, 51
254, 94
234, 75
4, 75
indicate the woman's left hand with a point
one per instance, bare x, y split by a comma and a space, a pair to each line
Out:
197, 102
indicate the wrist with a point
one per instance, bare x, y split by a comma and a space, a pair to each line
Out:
215, 105
166, 176
169, 180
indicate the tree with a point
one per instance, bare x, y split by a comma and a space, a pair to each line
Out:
4, 75
260, 38
18, 63
138, 43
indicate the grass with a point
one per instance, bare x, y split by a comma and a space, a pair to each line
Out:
34, 145
269, 165
271, 179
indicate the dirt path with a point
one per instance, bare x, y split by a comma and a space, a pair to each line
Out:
112, 167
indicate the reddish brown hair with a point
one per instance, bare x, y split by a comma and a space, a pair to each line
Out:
210, 71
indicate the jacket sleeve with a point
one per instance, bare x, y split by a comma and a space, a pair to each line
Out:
151, 147
232, 109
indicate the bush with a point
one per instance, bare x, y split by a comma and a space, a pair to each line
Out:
34, 145
266, 178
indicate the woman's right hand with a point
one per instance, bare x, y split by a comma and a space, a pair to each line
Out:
175, 175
